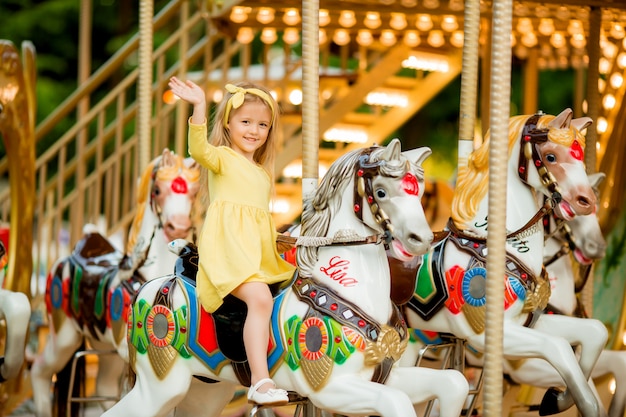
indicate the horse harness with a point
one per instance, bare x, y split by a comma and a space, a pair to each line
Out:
323, 301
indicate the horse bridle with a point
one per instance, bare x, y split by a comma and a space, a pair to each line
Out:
363, 191
531, 137
568, 245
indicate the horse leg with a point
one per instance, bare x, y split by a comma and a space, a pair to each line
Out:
56, 354
591, 338
449, 386
196, 404
523, 342
356, 396
108, 381
614, 362
152, 396
15, 309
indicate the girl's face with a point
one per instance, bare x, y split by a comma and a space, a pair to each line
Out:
249, 127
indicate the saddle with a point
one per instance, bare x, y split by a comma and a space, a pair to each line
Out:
94, 261
229, 318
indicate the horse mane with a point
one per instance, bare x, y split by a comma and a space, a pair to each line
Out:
473, 179
143, 197
326, 201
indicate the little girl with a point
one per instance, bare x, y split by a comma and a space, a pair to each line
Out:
237, 246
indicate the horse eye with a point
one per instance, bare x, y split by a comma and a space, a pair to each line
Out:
157, 191
381, 193
551, 158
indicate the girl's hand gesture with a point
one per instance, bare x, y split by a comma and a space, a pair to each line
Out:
188, 91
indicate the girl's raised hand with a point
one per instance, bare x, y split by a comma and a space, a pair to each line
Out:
188, 91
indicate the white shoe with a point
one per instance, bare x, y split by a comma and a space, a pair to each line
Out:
273, 396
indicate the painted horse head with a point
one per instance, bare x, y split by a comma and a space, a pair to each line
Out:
547, 154
387, 184
167, 188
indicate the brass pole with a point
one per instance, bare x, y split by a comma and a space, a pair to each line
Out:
496, 235
310, 92
144, 87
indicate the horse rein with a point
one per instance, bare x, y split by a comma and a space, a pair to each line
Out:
568, 246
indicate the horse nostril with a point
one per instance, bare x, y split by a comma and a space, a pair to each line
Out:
583, 202
421, 239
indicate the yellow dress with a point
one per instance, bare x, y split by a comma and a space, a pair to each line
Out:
238, 239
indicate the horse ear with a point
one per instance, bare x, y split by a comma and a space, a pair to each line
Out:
596, 179
168, 158
418, 155
563, 120
581, 123
392, 151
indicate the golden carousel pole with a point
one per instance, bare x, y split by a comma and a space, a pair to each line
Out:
144, 88
310, 111
17, 128
310, 100
593, 111
500, 93
467, 113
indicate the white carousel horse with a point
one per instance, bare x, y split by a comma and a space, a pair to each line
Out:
88, 292
335, 334
15, 312
568, 256
451, 283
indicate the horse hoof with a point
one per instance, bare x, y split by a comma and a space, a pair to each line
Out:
550, 402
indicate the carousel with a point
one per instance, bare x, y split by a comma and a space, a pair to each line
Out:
98, 301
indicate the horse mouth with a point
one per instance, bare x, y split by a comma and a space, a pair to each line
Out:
400, 252
582, 259
565, 211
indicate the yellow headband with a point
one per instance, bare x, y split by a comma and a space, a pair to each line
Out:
237, 98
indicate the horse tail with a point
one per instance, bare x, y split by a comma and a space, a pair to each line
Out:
62, 389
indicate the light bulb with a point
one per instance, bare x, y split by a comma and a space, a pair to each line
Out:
347, 19
435, 38
265, 15
424, 22
268, 36
341, 37
245, 35
324, 17
387, 38
364, 38
411, 38
239, 14
397, 21
291, 36
458, 37
291, 17
557, 40
546, 27
449, 23
372, 20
